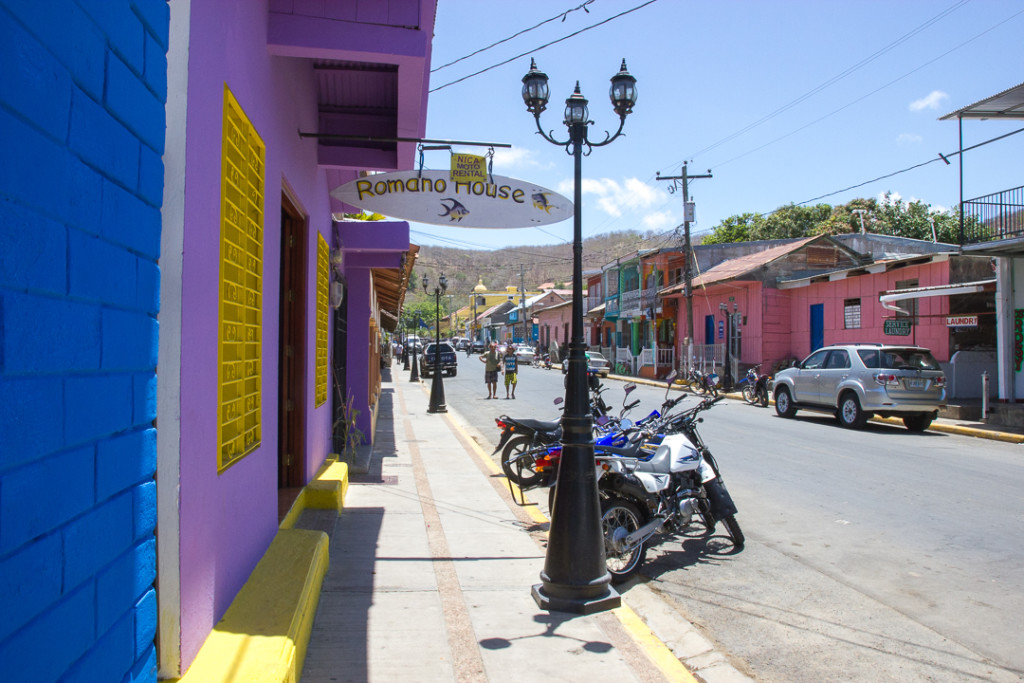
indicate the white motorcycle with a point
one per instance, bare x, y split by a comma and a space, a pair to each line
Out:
642, 497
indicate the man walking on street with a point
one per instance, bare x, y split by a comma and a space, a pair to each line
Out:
492, 363
511, 369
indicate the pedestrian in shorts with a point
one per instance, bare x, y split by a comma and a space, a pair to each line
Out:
492, 364
511, 370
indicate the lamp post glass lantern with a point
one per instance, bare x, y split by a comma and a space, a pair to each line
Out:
437, 404
575, 576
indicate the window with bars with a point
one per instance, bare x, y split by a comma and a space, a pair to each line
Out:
240, 351
851, 314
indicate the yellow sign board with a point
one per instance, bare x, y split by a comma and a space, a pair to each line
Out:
469, 168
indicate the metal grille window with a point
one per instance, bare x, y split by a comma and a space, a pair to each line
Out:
851, 314
240, 327
322, 287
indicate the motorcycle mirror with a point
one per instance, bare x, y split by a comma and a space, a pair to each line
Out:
671, 377
558, 401
629, 388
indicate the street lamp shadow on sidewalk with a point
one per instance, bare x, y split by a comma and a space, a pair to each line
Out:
552, 622
575, 576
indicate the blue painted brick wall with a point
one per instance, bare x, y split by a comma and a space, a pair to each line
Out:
81, 185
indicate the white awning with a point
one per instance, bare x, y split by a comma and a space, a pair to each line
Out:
936, 290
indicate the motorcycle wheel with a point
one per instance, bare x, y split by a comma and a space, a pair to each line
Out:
763, 397
620, 518
516, 446
735, 533
748, 393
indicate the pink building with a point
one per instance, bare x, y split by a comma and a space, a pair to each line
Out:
780, 304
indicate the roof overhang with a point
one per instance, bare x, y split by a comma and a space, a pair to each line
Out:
888, 297
1008, 104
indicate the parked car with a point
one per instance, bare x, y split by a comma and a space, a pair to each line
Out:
857, 381
596, 363
478, 346
449, 360
525, 354
461, 343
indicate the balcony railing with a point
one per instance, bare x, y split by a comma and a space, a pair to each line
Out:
630, 299
996, 216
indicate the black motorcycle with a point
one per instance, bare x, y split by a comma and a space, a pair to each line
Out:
755, 387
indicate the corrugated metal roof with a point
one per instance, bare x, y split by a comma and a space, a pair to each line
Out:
741, 265
1008, 104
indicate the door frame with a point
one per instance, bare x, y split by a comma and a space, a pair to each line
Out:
292, 346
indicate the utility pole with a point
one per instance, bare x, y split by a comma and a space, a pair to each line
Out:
687, 248
522, 299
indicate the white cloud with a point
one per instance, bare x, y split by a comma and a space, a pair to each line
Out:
516, 158
614, 197
933, 100
659, 221
909, 139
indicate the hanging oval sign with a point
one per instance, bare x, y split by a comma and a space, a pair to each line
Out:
433, 197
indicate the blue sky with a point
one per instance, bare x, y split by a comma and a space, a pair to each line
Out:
782, 101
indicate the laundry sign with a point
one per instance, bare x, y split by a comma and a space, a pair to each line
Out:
961, 321
434, 197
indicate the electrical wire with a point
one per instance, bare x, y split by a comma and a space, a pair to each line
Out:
831, 81
909, 168
546, 45
869, 94
563, 16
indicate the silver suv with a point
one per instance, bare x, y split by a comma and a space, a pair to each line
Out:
856, 381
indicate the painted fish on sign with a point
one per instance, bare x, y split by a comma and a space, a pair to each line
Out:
433, 197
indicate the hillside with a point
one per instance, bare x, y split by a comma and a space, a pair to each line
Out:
540, 264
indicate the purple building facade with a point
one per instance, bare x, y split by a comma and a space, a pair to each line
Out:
271, 106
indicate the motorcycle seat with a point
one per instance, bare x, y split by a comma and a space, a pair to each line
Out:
539, 425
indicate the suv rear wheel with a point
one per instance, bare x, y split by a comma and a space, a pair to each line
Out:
784, 403
918, 422
850, 413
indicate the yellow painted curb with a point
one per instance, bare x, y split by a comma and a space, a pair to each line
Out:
531, 509
265, 632
1005, 437
652, 646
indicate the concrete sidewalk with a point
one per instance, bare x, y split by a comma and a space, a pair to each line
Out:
431, 566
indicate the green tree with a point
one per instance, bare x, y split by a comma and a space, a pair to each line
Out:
888, 216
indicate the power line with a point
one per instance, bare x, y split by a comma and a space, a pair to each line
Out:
869, 94
538, 49
563, 15
910, 168
835, 79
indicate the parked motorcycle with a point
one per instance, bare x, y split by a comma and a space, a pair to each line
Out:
755, 387
531, 449
641, 498
702, 384
523, 440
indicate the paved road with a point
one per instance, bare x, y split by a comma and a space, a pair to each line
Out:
871, 555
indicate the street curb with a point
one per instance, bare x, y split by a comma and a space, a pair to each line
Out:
656, 650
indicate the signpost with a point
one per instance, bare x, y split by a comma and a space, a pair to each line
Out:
434, 197
898, 327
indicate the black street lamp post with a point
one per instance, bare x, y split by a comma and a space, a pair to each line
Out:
437, 404
405, 347
414, 374
575, 576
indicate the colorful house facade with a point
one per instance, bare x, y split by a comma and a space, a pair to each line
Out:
81, 185
273, 306
195, 232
